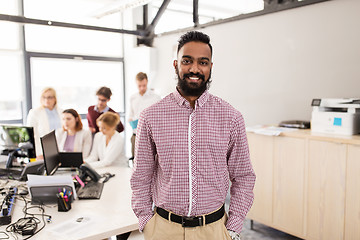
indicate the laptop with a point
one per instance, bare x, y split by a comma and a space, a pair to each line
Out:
71, 159
54, 159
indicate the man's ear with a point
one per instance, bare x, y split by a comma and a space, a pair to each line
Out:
175, 66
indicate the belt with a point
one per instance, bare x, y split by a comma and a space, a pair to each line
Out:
192, 221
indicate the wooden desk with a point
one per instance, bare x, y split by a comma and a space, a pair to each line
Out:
103, 218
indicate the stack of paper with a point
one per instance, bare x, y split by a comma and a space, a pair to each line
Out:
269, 130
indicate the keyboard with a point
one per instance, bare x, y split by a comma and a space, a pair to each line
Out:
92, 190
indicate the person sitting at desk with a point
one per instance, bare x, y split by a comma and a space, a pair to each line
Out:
108, 145
44, 118
72, 137
104, 96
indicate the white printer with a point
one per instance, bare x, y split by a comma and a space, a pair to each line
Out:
337, 116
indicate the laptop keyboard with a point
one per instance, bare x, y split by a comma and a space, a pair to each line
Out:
92, 190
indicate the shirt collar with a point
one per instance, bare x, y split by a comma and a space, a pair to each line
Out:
200, 102
145, 94
50, 111
103, 111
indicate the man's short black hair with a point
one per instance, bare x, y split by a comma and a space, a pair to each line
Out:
194, 36
105, 92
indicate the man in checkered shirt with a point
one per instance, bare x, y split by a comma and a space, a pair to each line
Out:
189, 146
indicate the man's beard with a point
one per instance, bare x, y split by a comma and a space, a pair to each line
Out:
193, 89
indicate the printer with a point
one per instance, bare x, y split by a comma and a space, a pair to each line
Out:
336, 116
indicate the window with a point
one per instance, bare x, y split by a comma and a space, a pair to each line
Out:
10, 40
12, 91
72, 41
76, 81
75, 61
12, 100
83, 12
9, 7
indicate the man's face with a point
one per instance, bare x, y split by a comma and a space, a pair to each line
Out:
193, 68
142, 86
102, 101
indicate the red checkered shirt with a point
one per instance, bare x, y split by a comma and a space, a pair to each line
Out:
185, 159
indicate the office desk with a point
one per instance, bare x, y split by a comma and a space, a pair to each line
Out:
103, 218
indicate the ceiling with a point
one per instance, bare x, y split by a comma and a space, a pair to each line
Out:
108, 13
178, 13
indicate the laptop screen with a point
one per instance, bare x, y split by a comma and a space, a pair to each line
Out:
51, 153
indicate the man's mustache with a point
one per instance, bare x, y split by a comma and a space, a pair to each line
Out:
198, 75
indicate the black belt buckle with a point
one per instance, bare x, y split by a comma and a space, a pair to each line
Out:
185, 220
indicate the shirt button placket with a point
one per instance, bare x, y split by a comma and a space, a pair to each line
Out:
193, 160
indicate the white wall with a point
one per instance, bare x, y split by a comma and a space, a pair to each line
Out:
271, 67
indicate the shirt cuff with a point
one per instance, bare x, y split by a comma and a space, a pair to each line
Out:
234, 224
143, 221
234, 235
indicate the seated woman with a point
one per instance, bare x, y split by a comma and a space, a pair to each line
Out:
108, 145
72, 137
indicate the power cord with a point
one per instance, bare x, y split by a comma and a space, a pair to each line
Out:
107, 176
28, 225
24, 226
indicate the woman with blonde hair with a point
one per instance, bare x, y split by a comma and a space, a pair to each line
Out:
108, 144
44, 118
72, 137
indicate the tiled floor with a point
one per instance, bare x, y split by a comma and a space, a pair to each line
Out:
259, 231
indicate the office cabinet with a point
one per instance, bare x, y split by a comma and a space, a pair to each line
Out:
307, 184
288, 195
326, 190
261, 154
352, 209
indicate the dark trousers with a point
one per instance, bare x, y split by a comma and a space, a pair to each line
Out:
133, 145
123, 236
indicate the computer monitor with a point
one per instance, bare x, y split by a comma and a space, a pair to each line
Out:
50, 152
19, 139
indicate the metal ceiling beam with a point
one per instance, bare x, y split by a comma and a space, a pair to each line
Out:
145, 15
149, 29
196, 12
24, 20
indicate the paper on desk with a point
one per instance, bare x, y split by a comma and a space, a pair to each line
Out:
74, 228
269, 130
38, 181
